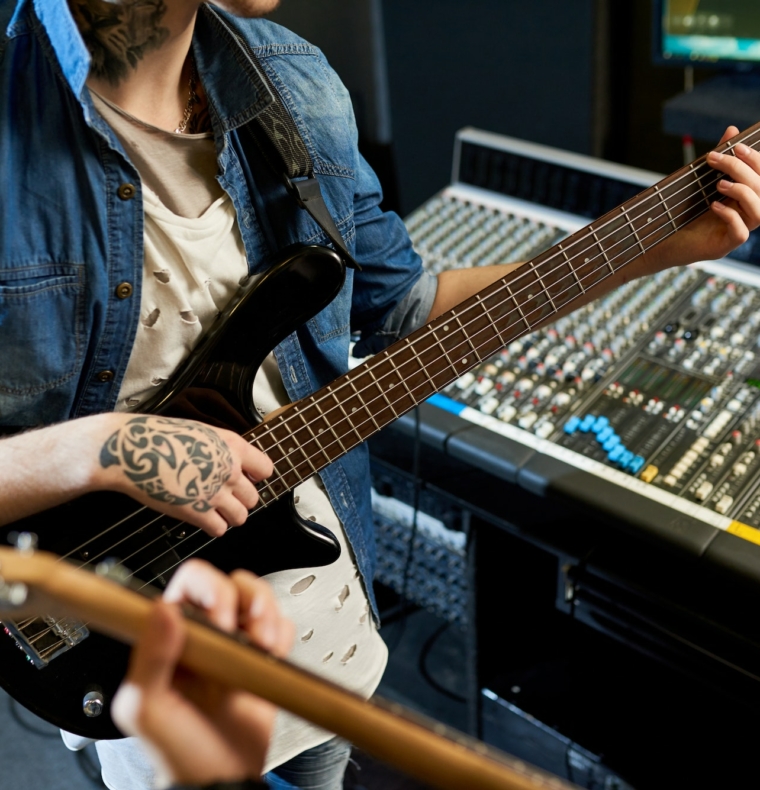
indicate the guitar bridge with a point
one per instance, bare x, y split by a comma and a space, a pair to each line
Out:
44, 638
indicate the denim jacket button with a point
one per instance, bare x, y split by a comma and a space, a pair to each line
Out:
124, 290
126, 191
105, 376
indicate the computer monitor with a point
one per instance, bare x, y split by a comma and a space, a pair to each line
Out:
718, 33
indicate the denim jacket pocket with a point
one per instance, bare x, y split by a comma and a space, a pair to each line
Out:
41, 330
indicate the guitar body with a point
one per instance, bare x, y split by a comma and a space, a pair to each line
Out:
215, 386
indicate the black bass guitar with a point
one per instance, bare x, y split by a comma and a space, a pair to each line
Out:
66, 674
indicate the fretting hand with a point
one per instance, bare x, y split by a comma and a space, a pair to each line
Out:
729, 221
199, 731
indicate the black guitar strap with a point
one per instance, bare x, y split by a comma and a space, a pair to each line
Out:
277, 136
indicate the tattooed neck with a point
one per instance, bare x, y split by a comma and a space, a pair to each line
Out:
119, 35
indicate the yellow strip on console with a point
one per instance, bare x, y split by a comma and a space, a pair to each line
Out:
744, 531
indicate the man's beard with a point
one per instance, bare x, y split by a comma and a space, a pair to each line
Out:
248, 8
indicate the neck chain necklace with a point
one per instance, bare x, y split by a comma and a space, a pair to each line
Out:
192, 99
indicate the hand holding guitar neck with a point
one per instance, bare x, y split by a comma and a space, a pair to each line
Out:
731, 218
181, 713
185, 469
200, 731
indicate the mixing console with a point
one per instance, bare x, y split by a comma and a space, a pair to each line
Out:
655, 387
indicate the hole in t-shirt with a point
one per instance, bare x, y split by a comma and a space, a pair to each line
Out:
207, 283
363, 618
312, 518
151, 318
328, 657
307, 636
303, 585
156, 381
132, 401
163, 275
188, 316
342, 595
349, 655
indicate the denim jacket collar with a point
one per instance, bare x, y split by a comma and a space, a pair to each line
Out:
235, 88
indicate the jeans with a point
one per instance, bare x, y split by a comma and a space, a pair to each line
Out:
320, 768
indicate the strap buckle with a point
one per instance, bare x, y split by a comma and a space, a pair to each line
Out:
308, 195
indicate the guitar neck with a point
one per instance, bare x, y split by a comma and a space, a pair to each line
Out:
320, 429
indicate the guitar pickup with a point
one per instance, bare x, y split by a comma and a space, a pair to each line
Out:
45, 638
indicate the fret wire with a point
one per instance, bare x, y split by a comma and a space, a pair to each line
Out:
564, 253
361, 400
423, 368
443, 351
329, 426
572, 268
633, 230
487, 314
314, 437
382, 392
345, 413
514, 301
402, 380
541, 283
606, 258
667, 208
699, 181
464, 331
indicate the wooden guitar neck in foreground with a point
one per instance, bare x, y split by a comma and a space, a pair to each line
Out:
35, 583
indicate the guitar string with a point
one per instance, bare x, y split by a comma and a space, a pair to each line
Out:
670, 231
597, 243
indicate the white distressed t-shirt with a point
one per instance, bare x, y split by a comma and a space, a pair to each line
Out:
192, 267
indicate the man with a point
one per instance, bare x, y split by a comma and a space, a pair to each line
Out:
130, 213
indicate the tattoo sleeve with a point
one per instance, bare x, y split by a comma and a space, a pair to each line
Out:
119, 34
173, 461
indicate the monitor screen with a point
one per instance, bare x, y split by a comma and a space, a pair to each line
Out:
695, 32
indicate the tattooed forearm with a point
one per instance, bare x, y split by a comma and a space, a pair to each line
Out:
174, 461
119, 34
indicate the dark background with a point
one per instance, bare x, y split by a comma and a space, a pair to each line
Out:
577, 76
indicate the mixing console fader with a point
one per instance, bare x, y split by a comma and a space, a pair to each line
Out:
655, 387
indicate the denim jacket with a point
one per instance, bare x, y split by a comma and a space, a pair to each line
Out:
71, 225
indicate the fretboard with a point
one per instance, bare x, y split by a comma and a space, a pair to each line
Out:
319, 429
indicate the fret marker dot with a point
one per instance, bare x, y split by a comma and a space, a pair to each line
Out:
264, 494
464, 361
587, 260
446, 328
354, 409
291, 449
649, 219
320, 430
